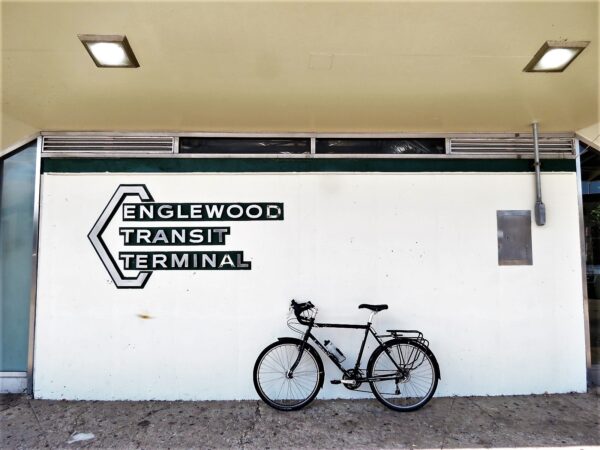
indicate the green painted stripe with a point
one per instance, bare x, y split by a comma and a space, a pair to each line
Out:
159, 165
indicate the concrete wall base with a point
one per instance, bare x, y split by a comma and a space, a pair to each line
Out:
13, 382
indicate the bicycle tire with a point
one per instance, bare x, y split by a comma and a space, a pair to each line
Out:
417, 382
271, 382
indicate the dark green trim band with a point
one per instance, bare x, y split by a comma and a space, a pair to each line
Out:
160, 165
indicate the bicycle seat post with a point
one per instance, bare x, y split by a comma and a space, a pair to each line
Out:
371, 317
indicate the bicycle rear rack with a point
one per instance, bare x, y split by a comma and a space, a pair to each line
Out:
413, 335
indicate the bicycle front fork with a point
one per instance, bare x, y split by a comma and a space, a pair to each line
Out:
290, 373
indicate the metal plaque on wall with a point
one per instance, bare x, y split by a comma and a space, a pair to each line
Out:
514, 238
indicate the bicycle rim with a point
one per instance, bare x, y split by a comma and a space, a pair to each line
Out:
412, 386
277, 387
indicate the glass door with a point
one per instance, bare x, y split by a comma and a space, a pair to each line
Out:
590, 175
17, 186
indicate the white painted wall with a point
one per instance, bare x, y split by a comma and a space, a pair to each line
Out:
423, 243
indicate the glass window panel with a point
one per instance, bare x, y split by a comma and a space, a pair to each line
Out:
17, 182
590, 173
381, 146
243, 145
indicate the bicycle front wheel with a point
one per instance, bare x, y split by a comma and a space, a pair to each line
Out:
276, 386
403, 374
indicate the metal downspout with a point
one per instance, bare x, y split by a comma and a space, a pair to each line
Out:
540, 208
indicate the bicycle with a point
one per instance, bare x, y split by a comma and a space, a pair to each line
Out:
402, 372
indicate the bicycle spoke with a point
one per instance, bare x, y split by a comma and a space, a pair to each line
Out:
413, 378
273, 375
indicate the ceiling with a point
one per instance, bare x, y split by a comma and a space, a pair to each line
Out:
298, 66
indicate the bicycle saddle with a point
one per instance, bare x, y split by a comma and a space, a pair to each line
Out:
373, 307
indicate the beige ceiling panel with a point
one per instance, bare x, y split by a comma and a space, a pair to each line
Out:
14, 133
590, 135
418, 66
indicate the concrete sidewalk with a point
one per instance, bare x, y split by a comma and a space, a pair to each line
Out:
520, 421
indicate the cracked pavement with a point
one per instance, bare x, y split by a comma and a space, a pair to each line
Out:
453, 422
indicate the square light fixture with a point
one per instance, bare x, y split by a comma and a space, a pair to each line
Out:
109, 50
555, 56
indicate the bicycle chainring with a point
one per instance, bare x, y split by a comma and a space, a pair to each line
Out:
352, 375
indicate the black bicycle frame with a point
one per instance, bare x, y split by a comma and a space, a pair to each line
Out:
368, 329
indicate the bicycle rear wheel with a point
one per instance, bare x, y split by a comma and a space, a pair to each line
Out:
271, 379
403, 374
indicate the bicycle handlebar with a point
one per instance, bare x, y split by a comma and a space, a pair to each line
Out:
299, 308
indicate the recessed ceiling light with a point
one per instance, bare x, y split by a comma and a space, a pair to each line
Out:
109, 50
555, 56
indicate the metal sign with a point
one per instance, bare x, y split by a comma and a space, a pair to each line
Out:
147, 211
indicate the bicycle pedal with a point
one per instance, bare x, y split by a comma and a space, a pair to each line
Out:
336, 381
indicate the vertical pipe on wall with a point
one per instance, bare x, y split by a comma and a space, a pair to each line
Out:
540, 209
34, 264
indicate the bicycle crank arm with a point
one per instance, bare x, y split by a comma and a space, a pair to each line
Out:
366, 380
343, 381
